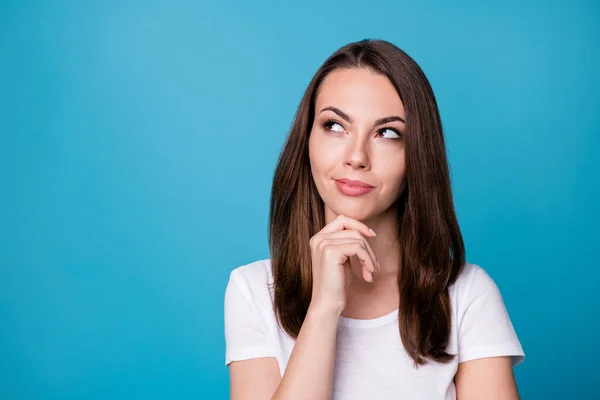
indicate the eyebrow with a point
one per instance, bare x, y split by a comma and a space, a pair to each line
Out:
346, 117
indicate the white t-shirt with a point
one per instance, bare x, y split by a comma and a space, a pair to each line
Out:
370, 360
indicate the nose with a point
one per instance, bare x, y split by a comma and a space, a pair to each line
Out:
357, 155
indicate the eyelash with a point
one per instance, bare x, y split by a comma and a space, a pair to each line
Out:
329, 123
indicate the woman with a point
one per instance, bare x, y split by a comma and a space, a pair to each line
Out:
367, 294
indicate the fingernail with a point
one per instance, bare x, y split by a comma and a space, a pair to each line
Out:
373, 232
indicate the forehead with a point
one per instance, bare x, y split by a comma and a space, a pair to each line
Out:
361, 93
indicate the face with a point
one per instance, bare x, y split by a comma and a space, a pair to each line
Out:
357, 134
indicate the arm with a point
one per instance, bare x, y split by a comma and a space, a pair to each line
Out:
255, 378
486, 378
309, 373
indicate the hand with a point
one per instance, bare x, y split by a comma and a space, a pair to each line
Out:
331, 250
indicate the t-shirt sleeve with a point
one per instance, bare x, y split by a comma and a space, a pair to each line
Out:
485, 328
245, 336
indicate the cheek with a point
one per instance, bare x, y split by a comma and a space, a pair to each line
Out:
320, 159
394, 176
394, 182
313, 154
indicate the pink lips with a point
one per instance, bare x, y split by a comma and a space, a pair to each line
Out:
353, 188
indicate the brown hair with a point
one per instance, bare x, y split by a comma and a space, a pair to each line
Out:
432, 251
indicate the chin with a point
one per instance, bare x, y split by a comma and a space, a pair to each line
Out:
356, 211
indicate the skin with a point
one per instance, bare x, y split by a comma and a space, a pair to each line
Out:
354, 270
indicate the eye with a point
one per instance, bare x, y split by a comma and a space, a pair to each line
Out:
394, 133
333, 126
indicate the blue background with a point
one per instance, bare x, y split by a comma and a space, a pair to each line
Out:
138, 142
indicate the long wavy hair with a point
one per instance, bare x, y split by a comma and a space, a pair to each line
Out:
432, 251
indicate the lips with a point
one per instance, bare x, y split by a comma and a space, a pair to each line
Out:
350, 187
351, 182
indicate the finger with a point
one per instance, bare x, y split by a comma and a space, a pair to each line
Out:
342, 222
355, 249
368, 275
353, 233
362, 242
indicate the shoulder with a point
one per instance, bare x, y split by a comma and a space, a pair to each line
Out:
250, 321
483, 324
472, 278
257, 273
254, 280
475, 286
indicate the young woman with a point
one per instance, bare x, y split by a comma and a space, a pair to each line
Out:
367, 293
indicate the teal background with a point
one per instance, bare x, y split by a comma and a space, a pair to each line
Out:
138, 142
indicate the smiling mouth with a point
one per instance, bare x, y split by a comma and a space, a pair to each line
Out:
350, 189
354, 183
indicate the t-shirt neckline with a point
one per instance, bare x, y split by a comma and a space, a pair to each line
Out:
368, 323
